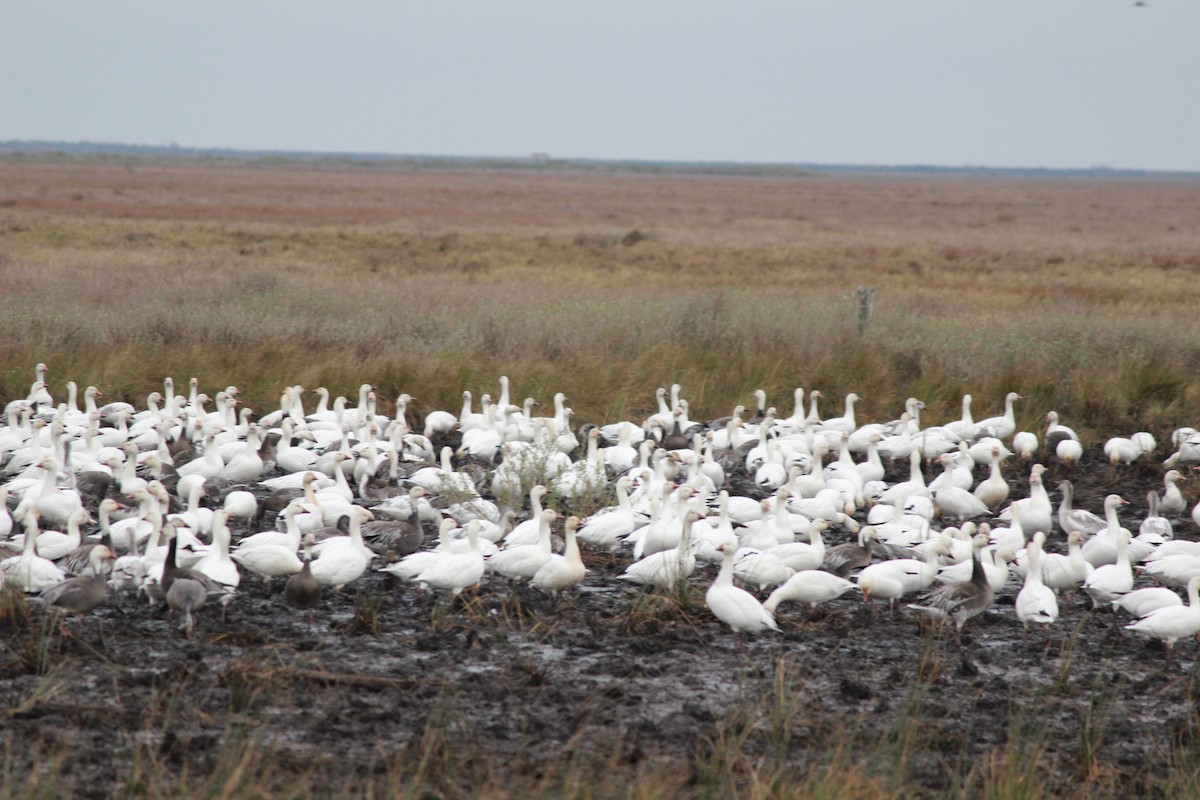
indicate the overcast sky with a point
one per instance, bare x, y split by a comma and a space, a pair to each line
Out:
1054, 83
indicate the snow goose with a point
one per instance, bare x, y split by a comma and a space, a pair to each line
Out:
845, 423
1196, 514
775, 527
953, 502
208, 465
1172, 503
811, 586
606, 528
669, 567
1003, 426
709, 533
899, 445
872, 468
963, 428
29, 571
565, 571
6, 520
892, 580
54, 505
217, 564
993, 491
1066, 572
1056, 433
995, 561
1109, 581
1038, 513
1174, 570
1025, 444
1102, 548
1012, 537
1036, 602
1069, 451
413, 564
982, 450
963, 474
1076, 519
344, 559
1173, 623
758, 568
915, 485
1121, 450
1145, 442
456, 571
962, 600
52, 544
521, 563
733, 605
1141, 602
1187, 452
621, 457
804, 555
662, 533
268, 561
1155, 524
289, 538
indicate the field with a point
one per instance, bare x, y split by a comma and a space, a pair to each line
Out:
1079, 294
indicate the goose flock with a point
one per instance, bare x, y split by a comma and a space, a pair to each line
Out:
178, 500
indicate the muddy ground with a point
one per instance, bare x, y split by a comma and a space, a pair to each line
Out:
501, 685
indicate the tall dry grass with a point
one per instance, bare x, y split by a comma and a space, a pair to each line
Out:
1081, 297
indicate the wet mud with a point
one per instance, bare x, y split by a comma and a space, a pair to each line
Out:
383, 673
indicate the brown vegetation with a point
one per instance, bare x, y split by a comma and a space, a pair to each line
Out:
1078, 294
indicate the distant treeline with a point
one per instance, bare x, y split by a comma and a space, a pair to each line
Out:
108, 151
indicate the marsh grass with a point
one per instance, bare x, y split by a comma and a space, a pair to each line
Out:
31, 641
120, 296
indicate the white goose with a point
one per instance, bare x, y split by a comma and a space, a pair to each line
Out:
29, 571
1003, 426
606, 529
217, 564
52, 544
1172, 503
953, 502
344, 559
1076, 519
1141, 602
993, 491
892, 580
565, 571
1102, 548
456, 571
522, 562
733, 605
1173, 623
1066, 573
1110, 581
669, 567
528, 531
811, 586
1036, 602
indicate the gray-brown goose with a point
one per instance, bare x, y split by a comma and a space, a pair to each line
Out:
78, 596
962, 600
397, 537
303, 590
185, 596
